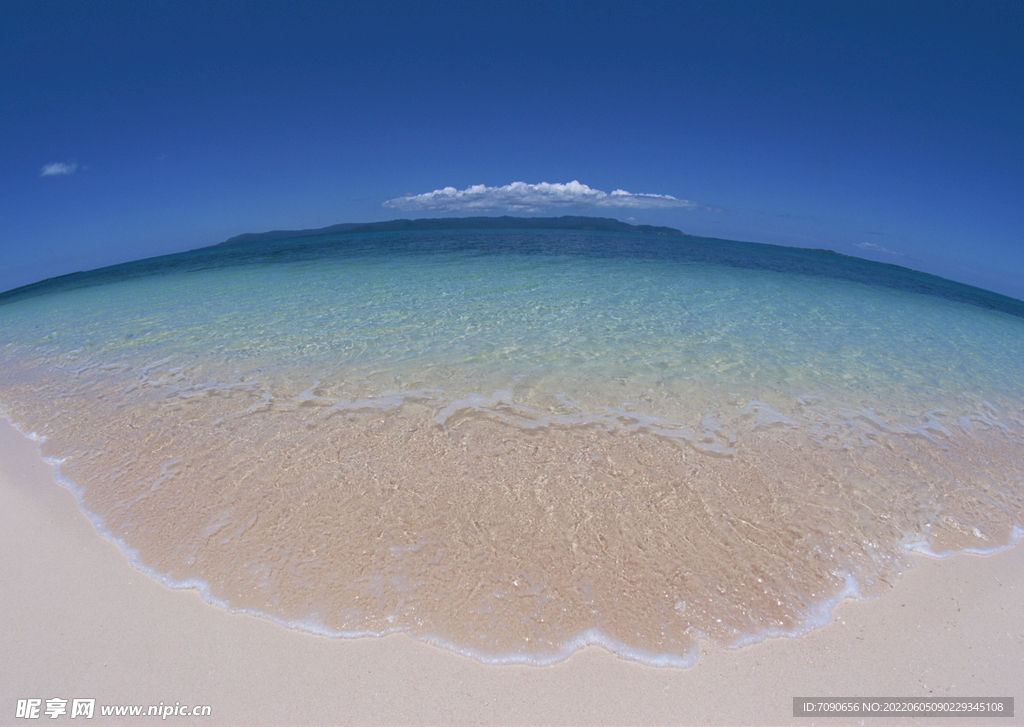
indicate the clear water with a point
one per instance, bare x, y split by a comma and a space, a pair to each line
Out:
513, 443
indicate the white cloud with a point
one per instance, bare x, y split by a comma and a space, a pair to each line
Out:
877, 248
523, 197
58, 168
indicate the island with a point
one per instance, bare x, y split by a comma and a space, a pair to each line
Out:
506, 222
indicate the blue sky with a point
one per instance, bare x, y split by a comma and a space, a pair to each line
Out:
889, 130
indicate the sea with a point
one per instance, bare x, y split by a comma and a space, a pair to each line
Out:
515, 443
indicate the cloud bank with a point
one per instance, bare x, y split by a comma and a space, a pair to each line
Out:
58, 168
523, 197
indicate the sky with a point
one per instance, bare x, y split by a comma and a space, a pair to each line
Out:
886, 130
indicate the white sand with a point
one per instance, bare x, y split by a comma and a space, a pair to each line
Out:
79, 622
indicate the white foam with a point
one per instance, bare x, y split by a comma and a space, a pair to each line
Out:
816, 615
501, 405
922, 546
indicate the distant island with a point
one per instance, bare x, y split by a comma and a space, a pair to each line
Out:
606, 224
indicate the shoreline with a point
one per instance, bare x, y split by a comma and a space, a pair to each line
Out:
82, 623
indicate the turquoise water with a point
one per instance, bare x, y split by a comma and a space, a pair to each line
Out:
513, 443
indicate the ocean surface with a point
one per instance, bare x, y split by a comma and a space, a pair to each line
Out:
513, 443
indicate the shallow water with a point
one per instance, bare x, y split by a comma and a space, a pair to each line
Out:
513, 443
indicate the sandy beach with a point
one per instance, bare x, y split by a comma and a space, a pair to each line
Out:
81, 623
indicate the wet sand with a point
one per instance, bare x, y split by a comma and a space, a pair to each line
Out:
80, 622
